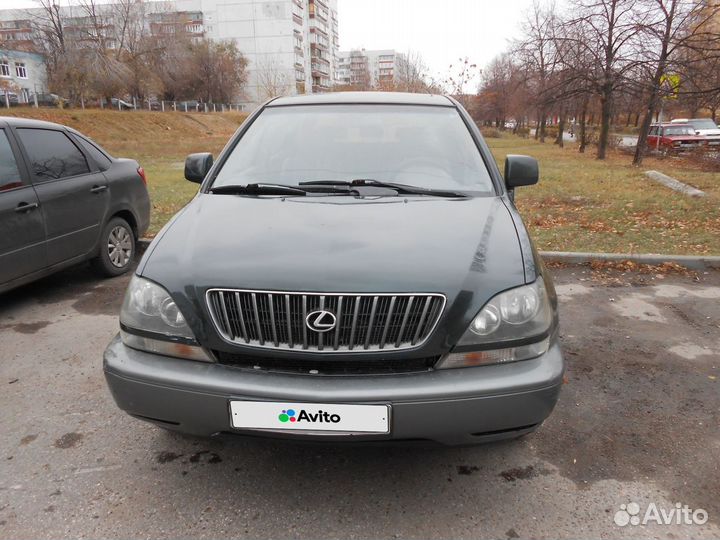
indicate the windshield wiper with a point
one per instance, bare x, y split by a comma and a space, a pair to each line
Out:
400, 188
259, 189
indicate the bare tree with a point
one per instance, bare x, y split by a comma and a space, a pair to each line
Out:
272, 80
221, 70
411, 73
459, 76
676, 25
538, 56
606, 30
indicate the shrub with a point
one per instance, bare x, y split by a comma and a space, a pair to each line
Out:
490, 133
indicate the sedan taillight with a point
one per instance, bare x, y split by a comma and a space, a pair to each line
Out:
141, 172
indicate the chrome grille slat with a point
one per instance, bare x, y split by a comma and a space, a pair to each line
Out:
404, 321
370, 322
302, 322
321, 336
258, 326
272, 320
289, 323
365, 322
241, 318
388, 318
354, 323
422, 320
339, 316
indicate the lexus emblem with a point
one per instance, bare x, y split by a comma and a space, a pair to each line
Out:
321, 320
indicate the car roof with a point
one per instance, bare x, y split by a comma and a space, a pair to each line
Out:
672, 124
385, 98
14, 121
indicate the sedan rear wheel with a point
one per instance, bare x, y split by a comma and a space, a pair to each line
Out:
117, 248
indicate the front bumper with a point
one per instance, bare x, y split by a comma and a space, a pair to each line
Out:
455, 406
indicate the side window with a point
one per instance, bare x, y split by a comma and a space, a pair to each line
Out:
653, 131
52, 154
98, 155
9, 173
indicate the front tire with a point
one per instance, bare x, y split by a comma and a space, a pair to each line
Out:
117, 248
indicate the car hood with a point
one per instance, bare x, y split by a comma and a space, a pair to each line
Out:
685, 137
466, 249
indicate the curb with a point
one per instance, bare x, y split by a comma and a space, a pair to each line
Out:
142, 244
694, 262
672, 183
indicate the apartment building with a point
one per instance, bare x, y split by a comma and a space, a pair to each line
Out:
22, 75
366, 68
291, 45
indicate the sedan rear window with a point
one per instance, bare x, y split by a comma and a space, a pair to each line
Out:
102, 160
52, 154
429, 147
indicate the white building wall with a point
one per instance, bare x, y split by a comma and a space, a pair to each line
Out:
264, 31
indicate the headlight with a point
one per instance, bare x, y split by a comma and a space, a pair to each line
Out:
514, 325
152, 322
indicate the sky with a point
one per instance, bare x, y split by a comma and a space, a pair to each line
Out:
442, 31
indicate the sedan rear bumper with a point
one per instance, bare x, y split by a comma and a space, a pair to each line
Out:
456, 406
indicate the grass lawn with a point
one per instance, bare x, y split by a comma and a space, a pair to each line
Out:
583, 204
580, 204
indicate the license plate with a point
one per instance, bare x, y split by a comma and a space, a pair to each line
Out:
310, 417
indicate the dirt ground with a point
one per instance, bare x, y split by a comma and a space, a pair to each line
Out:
638, 421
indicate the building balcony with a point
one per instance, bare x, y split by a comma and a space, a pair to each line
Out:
320, 60
319, 70
297, 18
319, 45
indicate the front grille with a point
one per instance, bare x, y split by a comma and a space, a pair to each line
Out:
328, 366
363, 322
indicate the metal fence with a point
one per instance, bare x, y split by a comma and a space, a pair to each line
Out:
10, 100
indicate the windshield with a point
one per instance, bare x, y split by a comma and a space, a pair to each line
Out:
703, 123
681, 130
428, 147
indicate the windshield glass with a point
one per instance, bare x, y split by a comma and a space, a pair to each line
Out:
703, 123
680, 130
423, 146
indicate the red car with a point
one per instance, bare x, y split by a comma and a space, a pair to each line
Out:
674, 138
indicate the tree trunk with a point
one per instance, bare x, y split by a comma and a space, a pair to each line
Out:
583, 132
541, 127
652, 106
561, 129
605, 117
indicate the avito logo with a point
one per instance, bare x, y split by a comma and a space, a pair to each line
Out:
289, 415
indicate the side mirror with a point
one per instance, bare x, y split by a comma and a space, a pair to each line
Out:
197, 166
521, 171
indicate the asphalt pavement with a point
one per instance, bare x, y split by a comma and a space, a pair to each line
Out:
637, 425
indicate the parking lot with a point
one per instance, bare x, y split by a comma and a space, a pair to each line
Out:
638, 421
